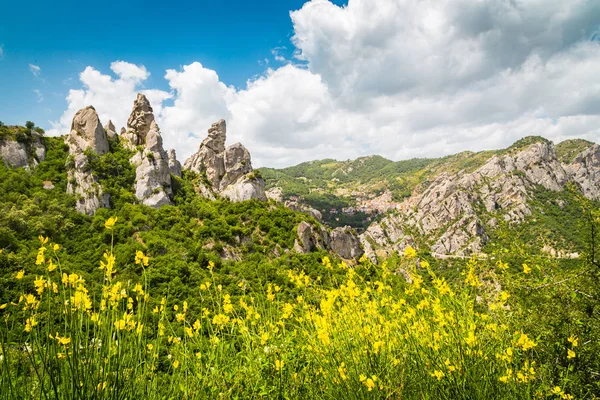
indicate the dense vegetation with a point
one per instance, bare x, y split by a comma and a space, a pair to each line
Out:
204, 299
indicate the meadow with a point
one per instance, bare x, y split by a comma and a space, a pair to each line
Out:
397, 330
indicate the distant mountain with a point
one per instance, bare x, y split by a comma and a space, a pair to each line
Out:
452, 205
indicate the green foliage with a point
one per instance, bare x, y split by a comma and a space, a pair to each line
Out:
526, 142
567, 150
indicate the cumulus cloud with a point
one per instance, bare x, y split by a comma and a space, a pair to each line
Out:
35, 70
393, 77
112, 97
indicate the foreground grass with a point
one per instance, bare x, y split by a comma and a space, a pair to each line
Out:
373, 334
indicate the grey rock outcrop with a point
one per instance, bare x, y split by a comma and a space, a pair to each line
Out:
152, 172
210, 157
228, 170
111, 131
23, 155
445, 211
342, 241
585, 171
345, 243
174, 164
86, 134
275, 194
295, 206
140, 121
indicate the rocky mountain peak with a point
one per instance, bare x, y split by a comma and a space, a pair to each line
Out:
140, 120
228, 170
174, 164
86, 134
447, 210
153, 177
111, 131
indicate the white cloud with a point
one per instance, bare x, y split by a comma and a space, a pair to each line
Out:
111, 97
35, 70
39, 95
393, 77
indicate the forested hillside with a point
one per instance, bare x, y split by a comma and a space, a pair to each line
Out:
210, 298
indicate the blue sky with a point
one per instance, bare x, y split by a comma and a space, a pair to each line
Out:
300, 80
63, 37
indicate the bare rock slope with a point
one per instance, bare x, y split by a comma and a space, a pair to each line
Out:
449, 210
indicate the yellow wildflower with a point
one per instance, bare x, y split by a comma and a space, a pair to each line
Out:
176, 364
279, 365
189, 331
51, 266
525, 343
342, 371
30, 323
20, 274
63, 340
574, 340
438, 374
526, 269
110, 223
410, 252
570, 354
140, 258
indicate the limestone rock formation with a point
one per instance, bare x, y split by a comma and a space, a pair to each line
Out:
111, 131
86, 134
342, 241
174, 165
585, 170
295, 206
23, 155
140, 121
229, 170
210, 157
275, 194
152, 172
345, 243
445, 210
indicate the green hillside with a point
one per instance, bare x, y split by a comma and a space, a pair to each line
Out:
207, 299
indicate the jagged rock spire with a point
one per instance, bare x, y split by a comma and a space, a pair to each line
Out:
229, 171
174, 165
86, 134
141, 119
153, 178
111, 131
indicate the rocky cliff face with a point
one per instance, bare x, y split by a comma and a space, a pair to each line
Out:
342, 241
153, 177
228, 171
449, 210
86, 134
23, 154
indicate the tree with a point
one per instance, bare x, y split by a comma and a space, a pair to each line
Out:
29, 125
